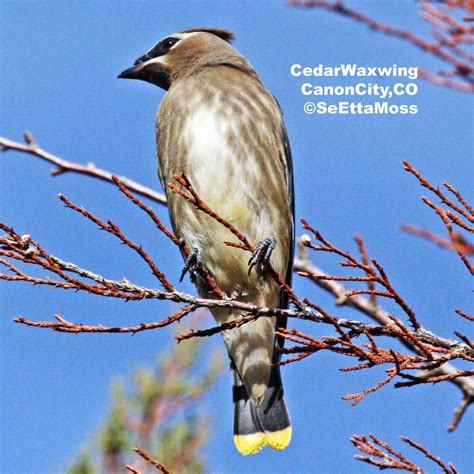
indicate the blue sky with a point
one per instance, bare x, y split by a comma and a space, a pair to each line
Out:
60, 62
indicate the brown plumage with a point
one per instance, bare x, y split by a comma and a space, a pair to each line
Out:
220, 125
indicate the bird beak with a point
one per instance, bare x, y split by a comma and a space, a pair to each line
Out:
134, 72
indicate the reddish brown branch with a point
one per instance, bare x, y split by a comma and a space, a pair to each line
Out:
459, 243
459, 197
453, 215
374, 270
384, 456
442, 80
371, 354
151, 461
66, 326
391, 459
132, 469
185, 250
464, 314
193, 197
366, 260
460, 411
429, 455
410, 339
113, 229
31, 147
123, 188
434, 379
236, 323
467, 214
445, 217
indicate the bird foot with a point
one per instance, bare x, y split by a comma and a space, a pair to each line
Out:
192, 265
262, 253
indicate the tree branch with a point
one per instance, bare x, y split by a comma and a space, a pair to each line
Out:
31, 147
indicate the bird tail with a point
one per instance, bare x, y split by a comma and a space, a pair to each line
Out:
267, 424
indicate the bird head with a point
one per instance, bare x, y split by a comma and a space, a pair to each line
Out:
183, 53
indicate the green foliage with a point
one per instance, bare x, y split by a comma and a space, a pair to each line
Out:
114, 436
82, 465
190, 434
157, 409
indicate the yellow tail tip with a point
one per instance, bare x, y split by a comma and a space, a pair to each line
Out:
278, 439
249, 444
253, 443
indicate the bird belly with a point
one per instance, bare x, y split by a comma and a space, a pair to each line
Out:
230, 187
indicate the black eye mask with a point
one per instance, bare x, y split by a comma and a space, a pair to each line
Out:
159, 50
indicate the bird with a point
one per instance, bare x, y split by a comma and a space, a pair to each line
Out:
218, 124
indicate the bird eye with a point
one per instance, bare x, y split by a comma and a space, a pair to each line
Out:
168, 43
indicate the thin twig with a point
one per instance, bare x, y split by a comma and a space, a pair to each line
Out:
151, 461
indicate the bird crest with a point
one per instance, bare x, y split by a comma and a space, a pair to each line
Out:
219, 32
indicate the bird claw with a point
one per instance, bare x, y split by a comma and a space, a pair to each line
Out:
262, 252
192, 265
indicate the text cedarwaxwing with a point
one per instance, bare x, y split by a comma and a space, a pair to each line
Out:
219, 125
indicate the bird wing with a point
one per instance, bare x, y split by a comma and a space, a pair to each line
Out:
288, 166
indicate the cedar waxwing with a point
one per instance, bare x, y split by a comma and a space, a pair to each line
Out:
219, 125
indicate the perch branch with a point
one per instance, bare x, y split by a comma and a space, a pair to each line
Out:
432, 352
